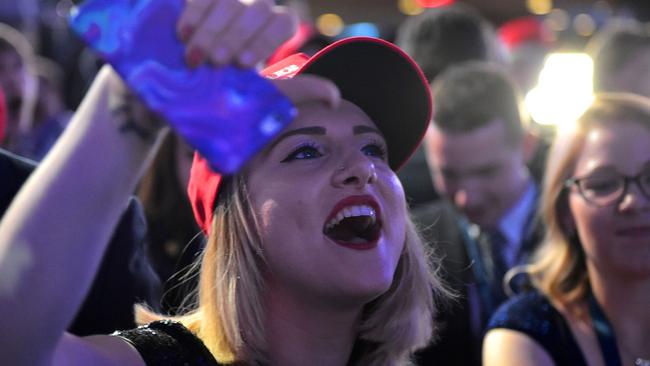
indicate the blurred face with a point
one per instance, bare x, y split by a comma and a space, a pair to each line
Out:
331, 211
635, 76
12, 75
479, 171
616, 238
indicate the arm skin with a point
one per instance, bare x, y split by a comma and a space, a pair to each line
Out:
56, 230
505, 347
54, 234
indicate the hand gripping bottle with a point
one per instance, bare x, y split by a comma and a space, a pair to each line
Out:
227, 114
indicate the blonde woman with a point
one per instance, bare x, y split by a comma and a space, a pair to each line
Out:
311, 256
593, 271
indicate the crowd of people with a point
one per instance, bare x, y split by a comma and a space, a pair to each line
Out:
410, 213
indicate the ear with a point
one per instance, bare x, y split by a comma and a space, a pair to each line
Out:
529, 144
433, 165
427, 142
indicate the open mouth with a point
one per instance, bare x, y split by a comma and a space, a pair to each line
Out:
356, 226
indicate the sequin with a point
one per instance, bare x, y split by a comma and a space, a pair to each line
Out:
532, 314
168, 343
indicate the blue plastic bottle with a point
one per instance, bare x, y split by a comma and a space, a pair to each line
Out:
227, 114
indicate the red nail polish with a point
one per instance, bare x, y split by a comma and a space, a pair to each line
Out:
195, 57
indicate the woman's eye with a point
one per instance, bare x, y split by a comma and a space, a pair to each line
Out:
600, 186
302, 153
375, 150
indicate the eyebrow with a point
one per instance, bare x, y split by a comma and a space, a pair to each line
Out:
314, 130
320, 131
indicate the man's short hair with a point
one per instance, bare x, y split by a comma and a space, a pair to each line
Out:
473, 94
441, 37
612, 48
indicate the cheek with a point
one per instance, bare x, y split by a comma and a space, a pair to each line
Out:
394, 191
591, 223
265, 214
265, 207
506, 178
279, 213
396, 206
580, 213
502, 188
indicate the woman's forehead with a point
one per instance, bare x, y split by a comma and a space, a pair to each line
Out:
319, 119
620, 145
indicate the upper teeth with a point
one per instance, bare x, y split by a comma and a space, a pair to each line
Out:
352, 211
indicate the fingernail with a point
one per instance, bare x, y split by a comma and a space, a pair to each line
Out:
195, 57
186, 33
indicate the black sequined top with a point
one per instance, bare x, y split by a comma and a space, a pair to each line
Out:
534, 315
168, 343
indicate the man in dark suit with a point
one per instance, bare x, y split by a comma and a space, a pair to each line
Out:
477, 149
437, 39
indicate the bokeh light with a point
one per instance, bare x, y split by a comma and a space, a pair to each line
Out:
330, 24
557, 20
360, 29
584, 25
409, 7
539, 7
434, 3
564, 90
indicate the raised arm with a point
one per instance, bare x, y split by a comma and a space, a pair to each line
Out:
54, 234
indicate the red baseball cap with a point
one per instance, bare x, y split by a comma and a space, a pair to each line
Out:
375, 75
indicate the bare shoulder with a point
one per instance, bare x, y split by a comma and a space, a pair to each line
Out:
510, 347
99, 350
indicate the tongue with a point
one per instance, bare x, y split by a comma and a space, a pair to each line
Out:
352, 230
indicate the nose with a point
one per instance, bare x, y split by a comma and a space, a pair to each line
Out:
634, 199
358, 172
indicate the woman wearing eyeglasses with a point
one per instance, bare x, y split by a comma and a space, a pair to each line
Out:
592, 273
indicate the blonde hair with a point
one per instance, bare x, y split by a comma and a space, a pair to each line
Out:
229, 313
559, 268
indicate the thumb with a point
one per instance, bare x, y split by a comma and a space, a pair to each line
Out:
309, 88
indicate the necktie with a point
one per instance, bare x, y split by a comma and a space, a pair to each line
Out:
497, 246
